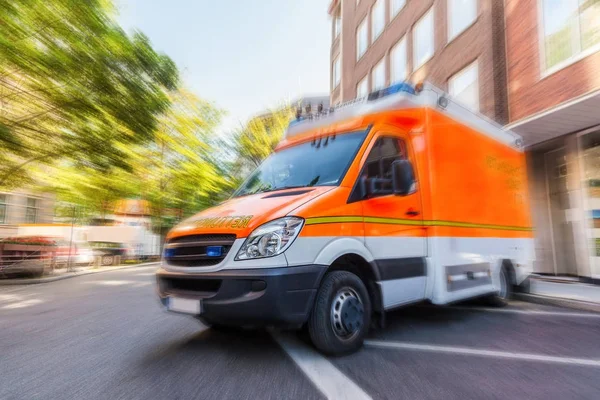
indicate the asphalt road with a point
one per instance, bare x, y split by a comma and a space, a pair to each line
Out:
105, 336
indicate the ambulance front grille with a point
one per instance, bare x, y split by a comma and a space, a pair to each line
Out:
191, 251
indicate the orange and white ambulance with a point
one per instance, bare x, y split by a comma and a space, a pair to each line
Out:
401, 197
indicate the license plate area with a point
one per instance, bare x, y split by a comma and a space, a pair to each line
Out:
185, 306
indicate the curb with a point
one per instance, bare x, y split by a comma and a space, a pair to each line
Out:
35, 281
560, 302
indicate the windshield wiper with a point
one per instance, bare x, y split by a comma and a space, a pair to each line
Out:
283, 188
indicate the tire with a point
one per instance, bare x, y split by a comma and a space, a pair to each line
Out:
107, 259
501, 298
332, 330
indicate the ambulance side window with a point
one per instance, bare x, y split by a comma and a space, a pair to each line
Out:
378, 165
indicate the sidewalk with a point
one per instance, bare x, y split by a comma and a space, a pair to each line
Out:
63, 274
562, 292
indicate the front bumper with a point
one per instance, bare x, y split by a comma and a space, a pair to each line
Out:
247, 297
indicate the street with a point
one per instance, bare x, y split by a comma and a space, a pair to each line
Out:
105, 336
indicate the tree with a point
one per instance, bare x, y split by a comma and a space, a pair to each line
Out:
74, 86
180, 170
253, 142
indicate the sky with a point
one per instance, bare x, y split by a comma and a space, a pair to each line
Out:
243, 55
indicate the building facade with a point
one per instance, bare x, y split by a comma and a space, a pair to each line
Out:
553, 65
458, 45
24, 207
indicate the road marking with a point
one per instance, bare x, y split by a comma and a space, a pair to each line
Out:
324, 375
528, 312
485, 353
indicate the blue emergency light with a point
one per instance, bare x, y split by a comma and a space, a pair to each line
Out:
214, 251
399, 87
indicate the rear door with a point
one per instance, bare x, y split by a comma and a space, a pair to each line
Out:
394, 231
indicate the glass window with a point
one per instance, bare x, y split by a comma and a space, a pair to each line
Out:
322, 162
337, 26
362, 89
379, 75
464, 87
3, 206
379, 162
423, 40
31, 211
362, 39
571, 27
395, 7
461, 14
377, 19
336, 72
398, 62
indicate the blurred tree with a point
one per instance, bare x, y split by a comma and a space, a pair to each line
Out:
257, 139
74, 86
179, 172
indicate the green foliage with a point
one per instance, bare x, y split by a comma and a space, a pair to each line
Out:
74, 86
257, 139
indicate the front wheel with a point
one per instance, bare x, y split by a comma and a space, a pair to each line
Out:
341, 314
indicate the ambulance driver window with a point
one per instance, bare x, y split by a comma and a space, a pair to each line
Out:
378, 167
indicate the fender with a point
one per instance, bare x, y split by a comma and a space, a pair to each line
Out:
341, 246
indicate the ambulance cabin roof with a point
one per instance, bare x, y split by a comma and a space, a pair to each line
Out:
404, 96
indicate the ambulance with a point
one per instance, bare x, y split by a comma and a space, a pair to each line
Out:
401, 197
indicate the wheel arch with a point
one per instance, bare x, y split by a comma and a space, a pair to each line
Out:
366, 272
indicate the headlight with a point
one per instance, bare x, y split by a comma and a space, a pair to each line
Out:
270, 239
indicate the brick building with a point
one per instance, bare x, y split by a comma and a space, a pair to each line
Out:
458, 45
553, 64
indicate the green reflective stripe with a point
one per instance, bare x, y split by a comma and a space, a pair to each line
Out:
472, 225
393, 221
412, 222
332, 220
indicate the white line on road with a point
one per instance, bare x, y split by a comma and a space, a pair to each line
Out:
485, 353
528, 312
323, 374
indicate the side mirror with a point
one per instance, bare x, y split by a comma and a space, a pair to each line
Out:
403, 177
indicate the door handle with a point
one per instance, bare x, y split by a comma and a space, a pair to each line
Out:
412, 213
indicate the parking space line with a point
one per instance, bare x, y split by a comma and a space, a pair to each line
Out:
324, 375
527, 312
485, 353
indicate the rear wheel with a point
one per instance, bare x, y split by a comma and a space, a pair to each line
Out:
504, 294
341, 314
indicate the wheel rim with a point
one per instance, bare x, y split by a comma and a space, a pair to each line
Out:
503, 285
107, 260
347, 312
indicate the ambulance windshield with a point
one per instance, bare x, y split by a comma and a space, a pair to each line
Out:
319, 163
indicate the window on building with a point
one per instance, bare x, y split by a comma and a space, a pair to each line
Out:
378, 76
571, 29
362, 39
337, 26
464, 87
395, 7
423, 40
31, 211
336, 72
398, 62
461, 14
377, 19
3, 207
379, 162
362, 89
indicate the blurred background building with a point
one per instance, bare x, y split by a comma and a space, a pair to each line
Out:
554, 102
24, 207
531, 64
458, 45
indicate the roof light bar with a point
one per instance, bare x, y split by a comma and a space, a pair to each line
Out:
399, 87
